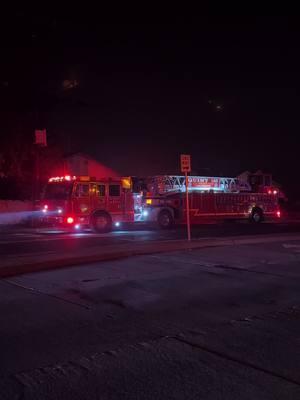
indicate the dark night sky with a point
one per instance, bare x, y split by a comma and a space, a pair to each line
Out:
225, 90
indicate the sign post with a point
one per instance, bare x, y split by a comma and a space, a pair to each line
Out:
185, 161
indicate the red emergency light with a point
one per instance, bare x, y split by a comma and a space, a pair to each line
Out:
70, 220
67, 178
272, 191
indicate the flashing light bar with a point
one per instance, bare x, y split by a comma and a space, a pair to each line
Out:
85, 178
67, 178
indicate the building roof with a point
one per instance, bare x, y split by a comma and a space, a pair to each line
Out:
80, 154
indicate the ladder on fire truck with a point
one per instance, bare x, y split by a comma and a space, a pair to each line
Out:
162, 184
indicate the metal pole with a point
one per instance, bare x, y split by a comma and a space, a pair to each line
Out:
187, 208
37, 172
36, 179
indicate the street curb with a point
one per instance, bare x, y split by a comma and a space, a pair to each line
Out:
139, 250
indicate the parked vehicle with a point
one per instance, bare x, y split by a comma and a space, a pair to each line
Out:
210, 198
101, 204
79, 202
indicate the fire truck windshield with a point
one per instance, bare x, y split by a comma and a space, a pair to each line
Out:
58, 190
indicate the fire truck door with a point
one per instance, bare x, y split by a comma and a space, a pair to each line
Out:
81, 201
115, 199
98, 193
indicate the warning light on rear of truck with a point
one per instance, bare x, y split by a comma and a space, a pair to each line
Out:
70, 220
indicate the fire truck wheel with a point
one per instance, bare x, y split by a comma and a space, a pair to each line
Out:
101, 222
257, 215
165, 219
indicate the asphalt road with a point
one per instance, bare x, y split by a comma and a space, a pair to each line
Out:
215, 323
15, 241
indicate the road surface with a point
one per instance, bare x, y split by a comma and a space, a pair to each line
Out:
15, 241
215, 323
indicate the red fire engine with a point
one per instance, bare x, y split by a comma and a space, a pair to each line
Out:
83, 201
210, 198
102, 204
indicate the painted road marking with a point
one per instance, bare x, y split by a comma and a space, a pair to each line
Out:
291, 246
22, 255
294, 247
42, 237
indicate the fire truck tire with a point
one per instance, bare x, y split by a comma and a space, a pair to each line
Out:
257, 215
101, 222
165, 219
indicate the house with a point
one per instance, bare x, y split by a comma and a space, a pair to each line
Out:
80, 164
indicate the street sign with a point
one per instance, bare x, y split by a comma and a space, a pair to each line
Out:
185, 161
41, 137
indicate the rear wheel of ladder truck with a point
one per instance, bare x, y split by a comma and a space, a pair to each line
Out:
165, 219
101, 222
257, 215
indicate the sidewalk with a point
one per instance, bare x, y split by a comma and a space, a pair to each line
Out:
26, 263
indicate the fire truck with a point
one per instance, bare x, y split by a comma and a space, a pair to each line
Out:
78, 202
210, 198
102, 204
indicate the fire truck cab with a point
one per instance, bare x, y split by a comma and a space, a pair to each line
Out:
78, 202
